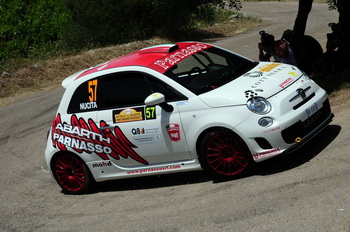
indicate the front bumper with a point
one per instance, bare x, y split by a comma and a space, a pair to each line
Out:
290, 130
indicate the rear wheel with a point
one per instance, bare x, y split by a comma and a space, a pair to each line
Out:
225, 154
71, 174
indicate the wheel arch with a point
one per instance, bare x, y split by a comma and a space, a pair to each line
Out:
227, 161
57, 154
207, 130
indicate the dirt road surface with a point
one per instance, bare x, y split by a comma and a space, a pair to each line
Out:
305, 191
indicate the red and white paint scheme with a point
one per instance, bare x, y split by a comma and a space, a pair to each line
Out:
180, 107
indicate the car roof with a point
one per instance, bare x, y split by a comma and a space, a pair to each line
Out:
159, 58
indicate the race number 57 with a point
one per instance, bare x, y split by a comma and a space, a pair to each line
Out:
150, 112
92, 88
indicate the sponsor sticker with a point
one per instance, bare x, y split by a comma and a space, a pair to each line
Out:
293, 74
134, 114
272, 130
146, 135
102, 164
148, 139
155, 169
268, 153
83, 135
269, 67
286, 83
253, 74
128, 115
174, 132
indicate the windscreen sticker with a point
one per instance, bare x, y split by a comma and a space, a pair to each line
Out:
172, 59
85, 136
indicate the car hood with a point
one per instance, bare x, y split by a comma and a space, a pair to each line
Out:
265, 80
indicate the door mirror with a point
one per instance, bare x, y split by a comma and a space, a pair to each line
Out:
158, 99
155, 99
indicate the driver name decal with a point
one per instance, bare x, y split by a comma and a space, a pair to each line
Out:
84, 136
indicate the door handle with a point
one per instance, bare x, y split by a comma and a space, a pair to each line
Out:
106, 127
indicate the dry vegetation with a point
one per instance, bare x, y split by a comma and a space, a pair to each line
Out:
28, 77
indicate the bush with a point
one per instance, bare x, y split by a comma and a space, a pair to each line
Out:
28, 27
96, 22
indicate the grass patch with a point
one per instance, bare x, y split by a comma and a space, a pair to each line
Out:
24, 76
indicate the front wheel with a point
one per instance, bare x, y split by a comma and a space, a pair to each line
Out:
225, 154
71, 174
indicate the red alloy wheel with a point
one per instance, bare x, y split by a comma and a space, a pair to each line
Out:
225, 153
71, 174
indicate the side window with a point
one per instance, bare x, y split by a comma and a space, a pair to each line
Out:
85, 97
131, 89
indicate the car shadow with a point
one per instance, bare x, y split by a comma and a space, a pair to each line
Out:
303, 155
156, 181
268, 167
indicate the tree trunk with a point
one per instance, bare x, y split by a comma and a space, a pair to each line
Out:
304, 9
344, 16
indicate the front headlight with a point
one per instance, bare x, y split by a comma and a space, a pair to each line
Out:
259, 105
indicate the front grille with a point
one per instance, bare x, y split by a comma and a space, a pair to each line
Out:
301, 129
304, 101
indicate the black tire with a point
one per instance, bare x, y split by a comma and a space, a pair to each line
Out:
224, 154
72, 174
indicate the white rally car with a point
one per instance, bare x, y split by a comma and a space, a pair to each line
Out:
180, 107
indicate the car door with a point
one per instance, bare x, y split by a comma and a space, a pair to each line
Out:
141, 134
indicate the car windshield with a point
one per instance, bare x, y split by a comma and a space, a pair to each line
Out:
209, 69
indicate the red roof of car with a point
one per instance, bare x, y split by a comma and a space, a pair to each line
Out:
159, 58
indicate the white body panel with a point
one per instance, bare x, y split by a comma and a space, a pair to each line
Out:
169, 141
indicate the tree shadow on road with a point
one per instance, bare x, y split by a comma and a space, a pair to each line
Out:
300, 156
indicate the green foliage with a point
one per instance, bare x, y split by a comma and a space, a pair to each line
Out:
102, 22
30, 28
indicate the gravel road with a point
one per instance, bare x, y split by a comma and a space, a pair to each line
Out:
305, 191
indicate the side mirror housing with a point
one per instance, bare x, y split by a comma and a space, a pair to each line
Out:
158, 99
155, 99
